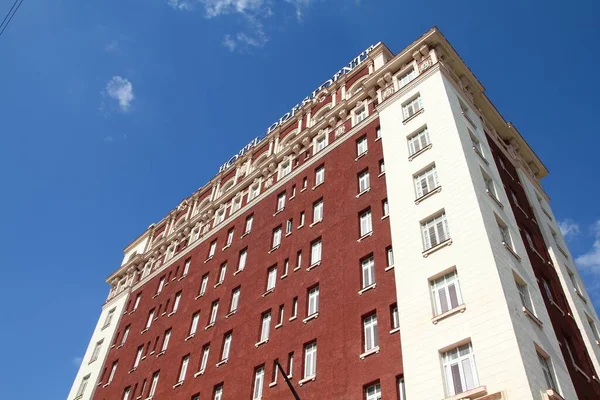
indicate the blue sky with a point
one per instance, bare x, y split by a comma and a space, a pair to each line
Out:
114, 111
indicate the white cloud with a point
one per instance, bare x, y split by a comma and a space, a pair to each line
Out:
121, 90
300, 6
76, 361
214, 8
229, 42
183, 5
112, 46
568, 227
590, 260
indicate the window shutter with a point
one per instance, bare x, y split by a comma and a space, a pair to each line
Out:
432, 237
443, 300
455, 371
426, 237
453, 295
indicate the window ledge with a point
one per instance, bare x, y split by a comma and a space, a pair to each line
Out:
523, 211
155, 296
218, 284
121, 345
428, 194
131, 370
546, 212
300, 226
283, 276
274, 248
448, 313
207, 327
537, 253
418, 153
144, 331
564, 253
226, 247
292, 197
314, 265
317, 185
302, 190
175, 386
189, 337
581, 295
363, 192
279, 211
480, 155
381, 174
389, 268
161, 353
532, 317
208, 259
156, 318
315, 223
197, 297
237, 272
172, 313
493, 196
298, 268
361, 155
511, 251
377, 139
469, 394
152, 352
197, 374
374, 350
438, 246
558, 307
272, 384
257, 345
288, 234
105, 385
222, 362
131, 312
553, 395
244, 234
395, 330
293, 318
278, 325
385, 217
310, 317
367, 288
306, 380
581, 372
363, 237
268, 292
421, 111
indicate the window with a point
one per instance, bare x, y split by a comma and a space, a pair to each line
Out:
281, 311
194, 325
418, 141
211, 251
360, 114
524, 294
313, 301
288, 226
154, 384
426, 181
82, 386
183, 369
166, 340
389, 256
138, 298
574, 280
476, 144
370, 337
276, 237
319, 175
304, 183
363, 181
254, 191
406, 77
203, 285
361, 146
218, 394
504, 233
229, 237
242, 260
271, 278
368, 272
366, 225
320, 143
412, 107
286, 267
290, 364
113, 370
125, 334
293, 191
317, 211
220, 217
401, 388
310, 360
248, 226
96, 351
315, 253
489, 184
373, 392
265, 327
593, 328
394, 316
176, 302
138, 356
236, 204
126, 393
286, 168
547, 370
259, 378
299, 259
226, 346
294, 307
459, 369
381, 167
446, 293
301, 219
161, 285
281, 201
213, 312
385, 207
378, 133
204, 360
186, 267
235, 299
435, 231
275, 370
150, 318
529, 239
548, 290
222, 272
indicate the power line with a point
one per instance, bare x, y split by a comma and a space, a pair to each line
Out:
11, 15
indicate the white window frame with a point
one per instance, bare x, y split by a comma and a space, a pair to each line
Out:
183, 368
364, 182
82, 386
412, 106
259, 379
289, 225
310, 360
236, 204
203, 285
395, 317
226, 346
253, 191
138, 356
212, 249
360, 113
194, 325
435, 231
313, 301
362, 146
366, 223
385, 206
155, 378
242, 260
524, 294
320, 142
367, 268
370, 333
285, 168
319, 175
318, 211
418, 141
454, 358
442, 290
96, 351
113, 371
316, 252
138, 298
248, 226
161, 285
176, 302
426, 181
405, 77
373, 392
165, 344
222, 272
276, 237
204, 359
401, 388
150, 318
271, 278
381, 167
218, 393
230, 234
547, 370
389, 253
214, 309
281, 202
235, 299
265, 327
125, 334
